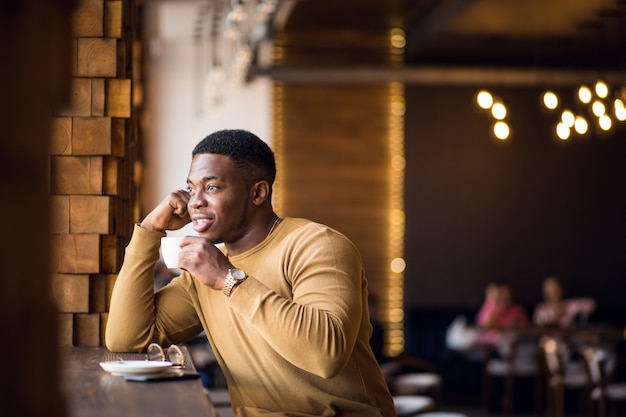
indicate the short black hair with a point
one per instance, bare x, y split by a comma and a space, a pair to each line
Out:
245, 149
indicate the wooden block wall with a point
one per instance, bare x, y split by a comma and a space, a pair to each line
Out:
93, 154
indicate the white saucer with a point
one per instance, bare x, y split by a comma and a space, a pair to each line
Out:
135, 367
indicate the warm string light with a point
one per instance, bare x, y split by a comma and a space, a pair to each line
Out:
592, 102
604, 106
599, 103
567, 119
550, 100
498, 111
619, 109
397, 264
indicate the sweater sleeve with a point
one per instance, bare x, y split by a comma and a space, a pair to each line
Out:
323, 317
133, 323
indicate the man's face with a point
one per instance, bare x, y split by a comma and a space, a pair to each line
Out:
219, 198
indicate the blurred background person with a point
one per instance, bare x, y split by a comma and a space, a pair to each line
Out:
555, 310
499, 311
486, 312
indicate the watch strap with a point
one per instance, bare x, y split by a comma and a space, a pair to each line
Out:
230, 283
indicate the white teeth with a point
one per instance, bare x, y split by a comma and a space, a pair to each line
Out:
201, 221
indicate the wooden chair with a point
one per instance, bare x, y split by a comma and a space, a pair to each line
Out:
605, 395
411, 375
518, 357
561, 375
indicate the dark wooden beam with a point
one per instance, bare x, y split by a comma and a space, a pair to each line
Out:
427, 18
440, 75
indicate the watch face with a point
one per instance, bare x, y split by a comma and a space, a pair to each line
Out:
237, 274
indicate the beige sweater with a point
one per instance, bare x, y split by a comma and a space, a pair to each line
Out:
293, 340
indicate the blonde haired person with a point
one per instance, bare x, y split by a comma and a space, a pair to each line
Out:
556, 310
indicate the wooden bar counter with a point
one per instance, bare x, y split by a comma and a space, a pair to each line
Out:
91, 392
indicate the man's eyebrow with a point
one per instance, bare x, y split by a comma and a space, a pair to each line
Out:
205, 179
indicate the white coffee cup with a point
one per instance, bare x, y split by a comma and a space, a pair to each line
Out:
170, 247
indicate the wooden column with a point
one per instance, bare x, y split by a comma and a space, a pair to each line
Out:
93, 158
339, 145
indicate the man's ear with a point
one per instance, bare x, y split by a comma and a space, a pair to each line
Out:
260, 192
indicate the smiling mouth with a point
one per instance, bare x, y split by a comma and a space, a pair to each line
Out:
201, 225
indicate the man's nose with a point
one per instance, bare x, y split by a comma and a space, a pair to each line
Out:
197, 200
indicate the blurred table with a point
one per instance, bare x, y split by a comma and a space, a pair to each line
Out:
92, 392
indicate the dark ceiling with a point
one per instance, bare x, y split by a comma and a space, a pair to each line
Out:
495, 34
569, 33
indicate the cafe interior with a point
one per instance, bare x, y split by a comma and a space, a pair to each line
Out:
458, 143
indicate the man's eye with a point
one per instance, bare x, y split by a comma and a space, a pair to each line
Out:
189, 189
211, 187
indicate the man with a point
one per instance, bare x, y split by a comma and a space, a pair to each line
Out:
283, 304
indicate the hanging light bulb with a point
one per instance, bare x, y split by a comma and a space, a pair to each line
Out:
498, 110
562, 131
584, 94
598, 108
568, 118
602, 90
484, 99
398, 38
580, 125
605, 122
501, 130
550, 100
619, 110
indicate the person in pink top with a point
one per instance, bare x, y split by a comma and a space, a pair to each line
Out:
499, 311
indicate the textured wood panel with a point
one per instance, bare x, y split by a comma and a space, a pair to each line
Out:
112, 253
114, 177
119, 137
98, 293
98, 96
76, 175
80, 99
71, 292
87, 19
95, 139
113, 19
91, 136
96, 57
91, 214
118, 93
66, 329
87, 329
60, 214
73, 253
61, 136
